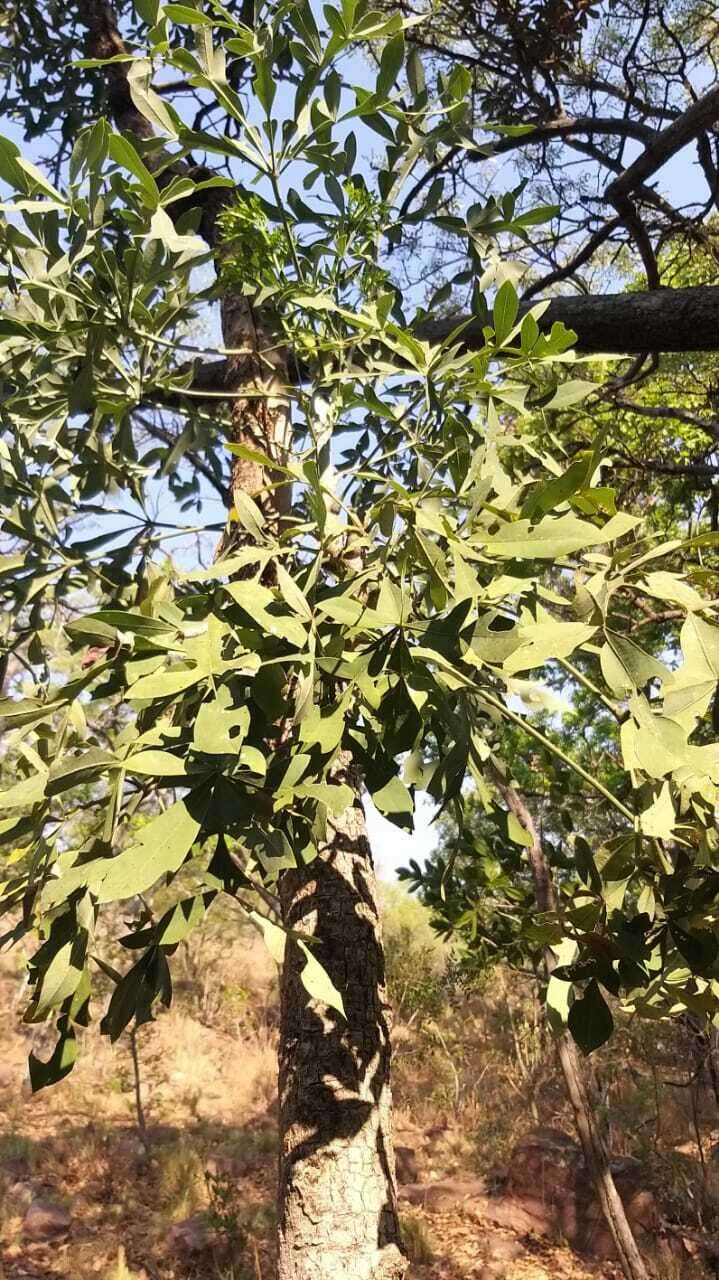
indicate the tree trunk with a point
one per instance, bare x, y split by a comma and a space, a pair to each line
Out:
337, 1193
595, 1153
597, 1162
338, 1212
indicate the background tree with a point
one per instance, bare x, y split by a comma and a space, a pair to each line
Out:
599, 98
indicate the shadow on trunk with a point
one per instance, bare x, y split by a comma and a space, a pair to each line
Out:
337, 1178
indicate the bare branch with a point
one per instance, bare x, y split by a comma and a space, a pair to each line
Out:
700, 116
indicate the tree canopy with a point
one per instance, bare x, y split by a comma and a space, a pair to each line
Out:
391, 612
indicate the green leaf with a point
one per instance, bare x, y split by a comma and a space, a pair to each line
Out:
217, 725
590, 1020
58, 1065
161, 849
186, 16
342, 608
700, 646
259, 604
317, 982
559, 991
323, 729
10, 168
394, 799
253, 760
671, 586
626, 667
156, 764
517, 832
459, 84
541, 641
415, 72
60, 980
555, 491
274, 936
179, 922
163, 228
659, 818
551, 538
390, 65
571, 392
336, 796
72, 771
292, 594
390, 606
148, 10
164, 684
123, 153
264, 84
113, 621
28, 792
506, 306
148, 103
136, 993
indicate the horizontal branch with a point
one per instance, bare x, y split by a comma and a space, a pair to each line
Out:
679, 320
619, 323
551, 131
709, 426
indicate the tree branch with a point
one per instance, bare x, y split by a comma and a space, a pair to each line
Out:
709, 426
617, 323
681, 320
697, 118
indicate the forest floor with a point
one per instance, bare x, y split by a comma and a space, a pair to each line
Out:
132, 1209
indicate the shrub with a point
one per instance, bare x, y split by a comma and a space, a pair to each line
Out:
416, 959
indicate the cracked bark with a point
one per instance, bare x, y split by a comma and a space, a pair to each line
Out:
260, 415
338, 1214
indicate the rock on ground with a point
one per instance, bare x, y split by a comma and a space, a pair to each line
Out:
46, 1220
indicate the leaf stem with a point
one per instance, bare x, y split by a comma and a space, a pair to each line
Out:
557, 751
580, 677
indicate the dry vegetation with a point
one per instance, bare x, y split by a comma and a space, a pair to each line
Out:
186, 1189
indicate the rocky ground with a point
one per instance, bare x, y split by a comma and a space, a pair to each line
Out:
184, 1189
84, 1193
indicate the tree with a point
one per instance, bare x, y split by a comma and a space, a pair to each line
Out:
592, 101
383, 575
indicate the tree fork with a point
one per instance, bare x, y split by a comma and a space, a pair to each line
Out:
659, 320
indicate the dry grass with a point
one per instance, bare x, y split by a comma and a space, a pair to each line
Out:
473, 1072
120, 1270
417, 1239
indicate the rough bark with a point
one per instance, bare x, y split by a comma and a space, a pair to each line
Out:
260, 416
595, 1154
338, 1214
617, 323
